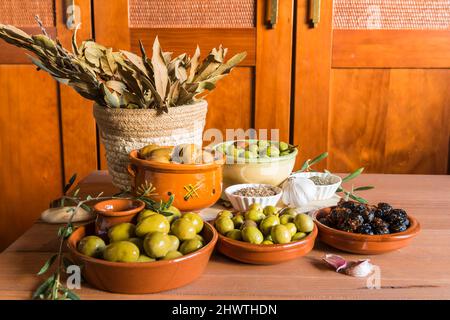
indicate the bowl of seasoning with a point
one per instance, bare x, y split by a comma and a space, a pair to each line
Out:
326, 183
242, 196
365, 229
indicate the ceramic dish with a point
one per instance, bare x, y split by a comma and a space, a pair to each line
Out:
241, 203
115, 211
362, 243
142, 277
268, 170
323, 192
265, 254
195, 186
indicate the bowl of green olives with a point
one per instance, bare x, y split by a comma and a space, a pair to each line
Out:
266, 235
256, 161
157, 253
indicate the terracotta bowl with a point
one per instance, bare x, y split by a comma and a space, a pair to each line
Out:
142, 277
363, 243
265, 254
115, 211
204, 181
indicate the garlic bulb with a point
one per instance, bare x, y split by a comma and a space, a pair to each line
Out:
359, 269
298, 191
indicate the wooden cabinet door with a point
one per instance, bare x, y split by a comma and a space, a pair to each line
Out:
34, 111
257, 93
372, 85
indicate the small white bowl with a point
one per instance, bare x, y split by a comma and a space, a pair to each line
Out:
241, 203
323, 192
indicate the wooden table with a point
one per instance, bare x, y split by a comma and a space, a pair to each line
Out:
420, 271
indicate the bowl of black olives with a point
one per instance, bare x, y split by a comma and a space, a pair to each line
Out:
365, 229
268, 235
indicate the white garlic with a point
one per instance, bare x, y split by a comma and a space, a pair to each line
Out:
298, 191
62, 215
360, 268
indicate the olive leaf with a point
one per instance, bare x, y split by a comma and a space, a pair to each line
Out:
47, 264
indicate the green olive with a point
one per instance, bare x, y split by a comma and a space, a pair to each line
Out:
121, 251
255, 206
174, 243
144, 258
195, 219
183, 229
175, 213
268, 238
145, 213
298, 236
153, 223
255, 215
172, 255
284, 146
238, 220
223, 225
286, 218
225, 213
199, 237
234, 234
248, 223
304, 223
292, 228
267, 224
191, 245
157, 244
121, 232
267, 242
263, 144
252, 235
270, 210
288, 210
280, 234
138, 242
91, 246
273, 151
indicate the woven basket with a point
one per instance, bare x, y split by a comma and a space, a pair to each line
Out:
123, 130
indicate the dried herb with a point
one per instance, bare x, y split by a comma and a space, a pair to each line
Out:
123, 79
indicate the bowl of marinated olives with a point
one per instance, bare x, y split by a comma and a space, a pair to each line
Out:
266, 235
154, 254
256, 161
365, 229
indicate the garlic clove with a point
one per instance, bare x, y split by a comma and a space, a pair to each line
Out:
335, 261
360, 268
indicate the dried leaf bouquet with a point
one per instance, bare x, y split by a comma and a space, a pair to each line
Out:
123, 79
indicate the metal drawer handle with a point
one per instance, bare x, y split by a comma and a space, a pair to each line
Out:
314, 13
272, 13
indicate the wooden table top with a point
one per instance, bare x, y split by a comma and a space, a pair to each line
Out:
420, 271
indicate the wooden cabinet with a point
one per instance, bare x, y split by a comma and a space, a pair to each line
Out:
372, 85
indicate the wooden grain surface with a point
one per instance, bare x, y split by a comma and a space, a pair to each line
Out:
420, 271
391, 49
30, 149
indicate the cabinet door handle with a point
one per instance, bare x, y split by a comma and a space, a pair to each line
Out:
272, 13
314, 12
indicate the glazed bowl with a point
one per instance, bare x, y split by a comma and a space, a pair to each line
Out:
363, 243
271, 170
241, 203
326, 191
114, 211
194, 186
265, 254
142, 277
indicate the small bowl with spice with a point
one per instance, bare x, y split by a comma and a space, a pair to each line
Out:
326, 183
242, 196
